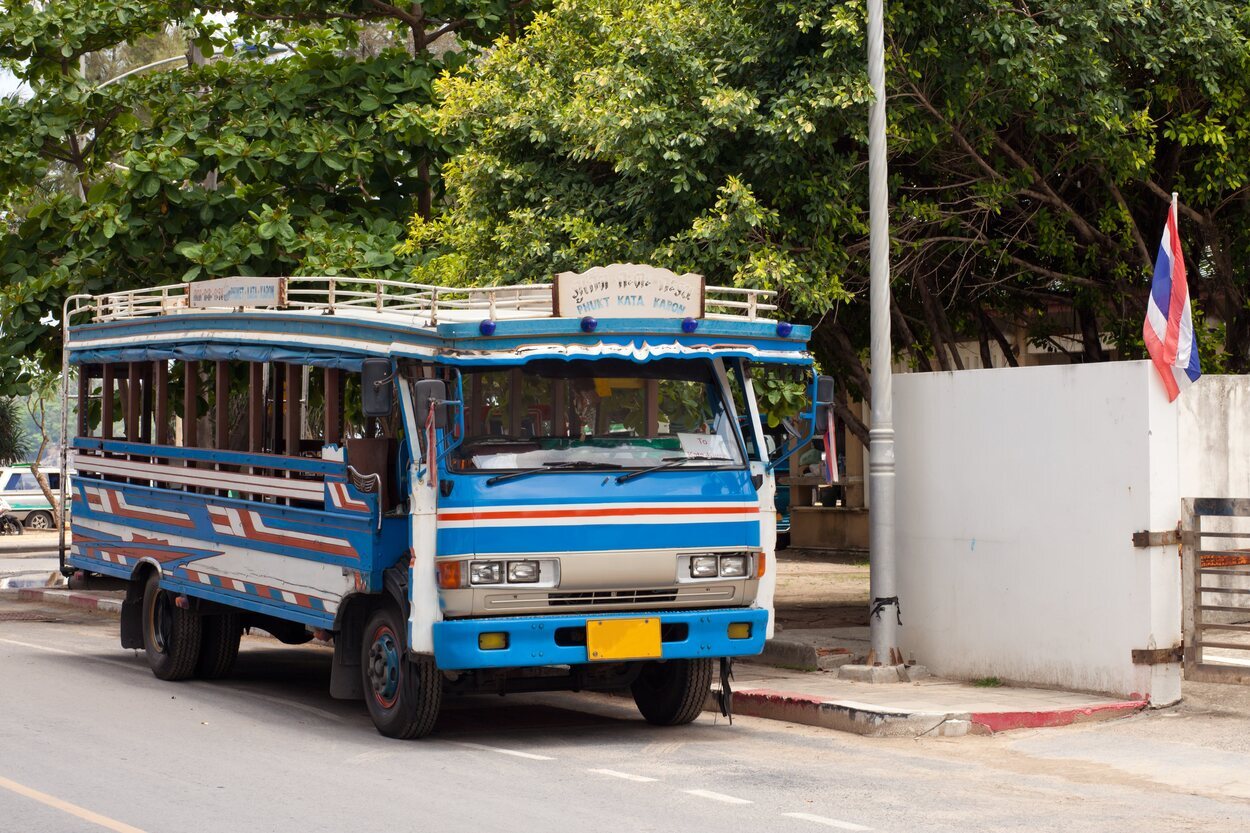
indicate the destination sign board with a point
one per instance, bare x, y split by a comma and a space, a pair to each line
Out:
627, 290
237, 292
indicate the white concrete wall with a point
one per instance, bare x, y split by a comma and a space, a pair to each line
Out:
1018, 493
1215, 437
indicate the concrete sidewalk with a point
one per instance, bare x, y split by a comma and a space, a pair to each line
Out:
926, 708
930, 707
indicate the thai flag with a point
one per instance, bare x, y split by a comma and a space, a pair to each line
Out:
1169, 327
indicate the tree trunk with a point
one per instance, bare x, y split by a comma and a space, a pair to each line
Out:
990, 326
1091, 339
904, 329
928, 303
849, 418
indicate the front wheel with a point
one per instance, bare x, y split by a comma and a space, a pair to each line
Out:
171, 634
672, 693
39, 520
403, 694
9, 525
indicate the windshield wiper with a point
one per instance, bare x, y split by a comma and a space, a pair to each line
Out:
571, 465
671, 463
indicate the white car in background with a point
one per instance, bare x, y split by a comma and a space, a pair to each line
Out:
26, 500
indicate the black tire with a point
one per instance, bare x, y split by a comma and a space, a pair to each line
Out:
672, 693
171, 635
783, 541
40, 520
403, 695
9, 525
219, 645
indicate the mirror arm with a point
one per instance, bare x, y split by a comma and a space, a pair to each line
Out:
811, 432
459, 403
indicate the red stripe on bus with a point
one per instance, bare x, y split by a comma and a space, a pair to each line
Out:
595, 513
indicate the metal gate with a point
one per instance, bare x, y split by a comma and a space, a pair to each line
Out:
1215, 587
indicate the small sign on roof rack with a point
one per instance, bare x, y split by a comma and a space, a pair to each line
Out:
627, 290
237, 292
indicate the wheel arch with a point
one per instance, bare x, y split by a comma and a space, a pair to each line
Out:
132, 605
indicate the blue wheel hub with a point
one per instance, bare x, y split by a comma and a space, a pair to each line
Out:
384, 666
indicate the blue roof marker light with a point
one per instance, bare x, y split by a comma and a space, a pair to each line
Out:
487, 327
589, 324
784, 329
689, 325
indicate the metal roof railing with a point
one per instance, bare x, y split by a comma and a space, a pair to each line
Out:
331, 295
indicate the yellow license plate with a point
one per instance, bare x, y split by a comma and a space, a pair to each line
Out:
614, 639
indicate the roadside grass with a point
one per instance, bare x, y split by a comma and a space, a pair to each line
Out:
988, 682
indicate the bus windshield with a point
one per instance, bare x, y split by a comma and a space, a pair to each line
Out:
599, 413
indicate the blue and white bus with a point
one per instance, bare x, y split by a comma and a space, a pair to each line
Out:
502, 489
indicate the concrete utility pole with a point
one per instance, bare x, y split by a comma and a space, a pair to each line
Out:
885, 607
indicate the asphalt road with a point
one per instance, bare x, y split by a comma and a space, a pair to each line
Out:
90, 741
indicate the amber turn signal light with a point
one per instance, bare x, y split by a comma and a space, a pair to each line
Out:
450, 574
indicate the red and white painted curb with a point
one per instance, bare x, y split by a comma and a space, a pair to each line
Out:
882, 721
74, 598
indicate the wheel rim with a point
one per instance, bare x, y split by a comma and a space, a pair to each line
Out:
40, 521
162, 621
384, 666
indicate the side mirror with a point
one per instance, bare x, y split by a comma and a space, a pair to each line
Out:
377, 391
426, 391
824, 401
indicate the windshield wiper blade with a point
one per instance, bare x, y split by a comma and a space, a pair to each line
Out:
670, 463
570, 465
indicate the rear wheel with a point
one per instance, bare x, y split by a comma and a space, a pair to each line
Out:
672, 693
171, 634
219, 645
9, 525
403, 694
39, 520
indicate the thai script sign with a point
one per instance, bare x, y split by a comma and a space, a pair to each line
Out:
237, 292
628, 291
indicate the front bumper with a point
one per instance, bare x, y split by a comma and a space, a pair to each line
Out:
532, 640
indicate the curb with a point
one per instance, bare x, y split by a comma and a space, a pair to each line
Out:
873, 721
88, 601
784, 653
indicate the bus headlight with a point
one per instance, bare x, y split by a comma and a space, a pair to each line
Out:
522, 572
734, 566
485, 572
703, 566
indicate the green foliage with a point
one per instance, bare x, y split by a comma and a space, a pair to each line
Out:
782, 394
1034, 146
15, 445
697, 136
287, 156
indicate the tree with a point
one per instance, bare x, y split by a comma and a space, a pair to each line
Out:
245, 161
45, 391
1033, 145
14, 445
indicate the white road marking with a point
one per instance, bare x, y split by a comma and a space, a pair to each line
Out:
841, 825
66, 807
530, 755
115, 660
626, 775
728, 799
36, 647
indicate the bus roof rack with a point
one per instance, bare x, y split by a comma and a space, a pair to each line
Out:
363, 296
